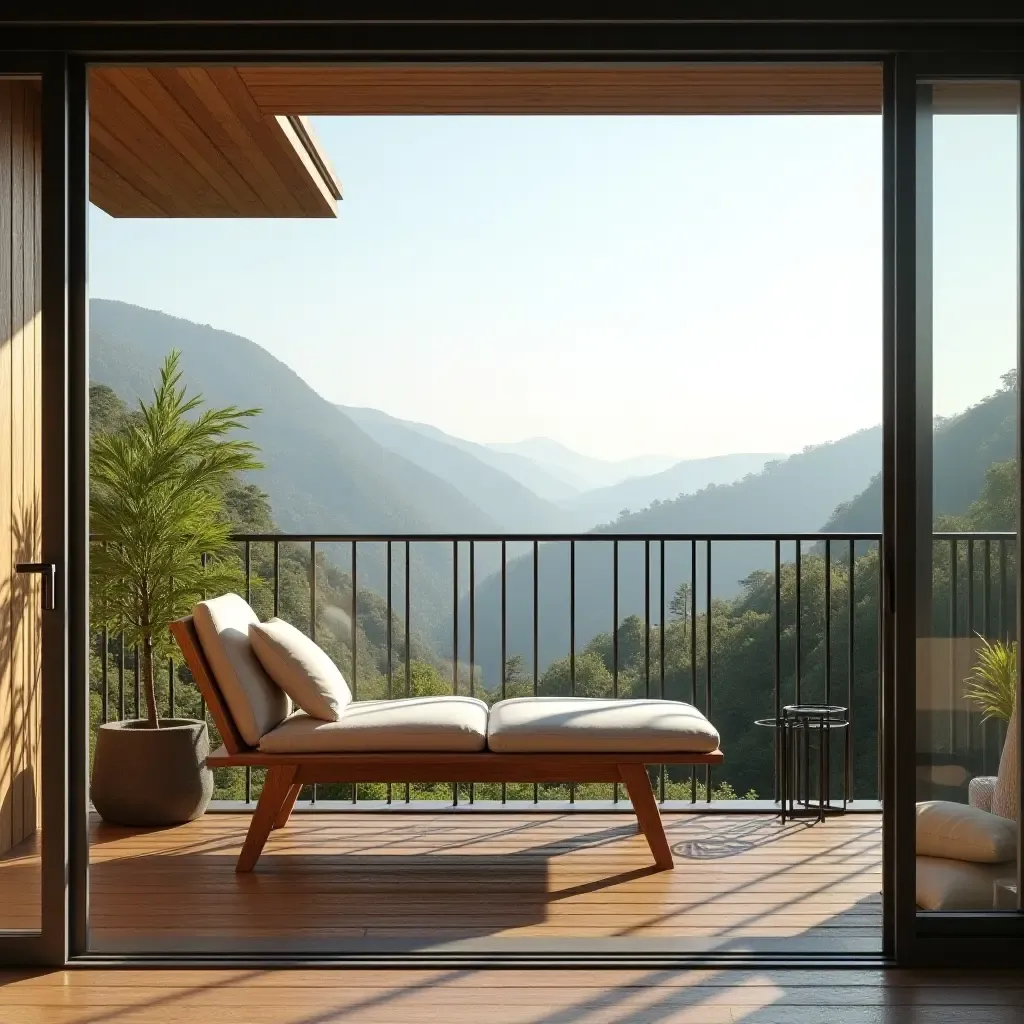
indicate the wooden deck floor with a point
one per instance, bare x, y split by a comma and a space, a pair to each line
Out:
422, 881
425, 881
461, 996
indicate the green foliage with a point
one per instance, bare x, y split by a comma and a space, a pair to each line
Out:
992, 684
155, 503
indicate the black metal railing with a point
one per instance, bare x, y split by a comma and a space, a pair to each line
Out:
811, 602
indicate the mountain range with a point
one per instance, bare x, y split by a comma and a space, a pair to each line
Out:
357, 470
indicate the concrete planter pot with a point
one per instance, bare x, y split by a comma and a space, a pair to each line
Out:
144, 776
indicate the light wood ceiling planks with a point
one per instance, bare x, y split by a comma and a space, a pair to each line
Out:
193, 142
568, 89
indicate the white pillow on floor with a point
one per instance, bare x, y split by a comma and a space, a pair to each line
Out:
962, 832
301, 668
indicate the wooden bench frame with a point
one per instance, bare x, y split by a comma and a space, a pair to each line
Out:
288, 773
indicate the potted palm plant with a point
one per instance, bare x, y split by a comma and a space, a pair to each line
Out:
156, 507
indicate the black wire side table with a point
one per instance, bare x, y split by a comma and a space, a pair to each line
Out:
796, 724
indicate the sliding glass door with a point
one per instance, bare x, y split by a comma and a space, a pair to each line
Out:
957, 491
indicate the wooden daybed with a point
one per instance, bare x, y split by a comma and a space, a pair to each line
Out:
287, 773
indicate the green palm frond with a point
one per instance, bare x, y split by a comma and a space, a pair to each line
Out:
992, 684
156, 504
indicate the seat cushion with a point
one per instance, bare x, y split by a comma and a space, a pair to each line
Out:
578, 725
962, 832
255, 701
301, 668
409, 725
944, 884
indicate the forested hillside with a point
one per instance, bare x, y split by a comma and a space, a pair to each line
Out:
795, 494
965, 446
323, 474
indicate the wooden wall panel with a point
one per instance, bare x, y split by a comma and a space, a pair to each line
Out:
20, 470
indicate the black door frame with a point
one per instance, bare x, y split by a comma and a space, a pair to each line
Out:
934, 938
374, 33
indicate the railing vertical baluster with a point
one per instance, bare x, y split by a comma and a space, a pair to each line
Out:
277, 577
693, 653
615, 620
391, 671
408, 638
572, 639
390, 662
536, 624
615, 638
472, 638
504, 638
647, 618
170, 686
355, 645
825, 735
248, 572
138, 683
661, 647
879, 628
455, 641
828, 621
355, 620
203, 560
968, 724
120, 679
472, 619
986, 603
572, 618
798, 622
536, 615
1004, 617
970, 587
777, 750
707, 677
104, 675
455, 617
312, 593
848, 792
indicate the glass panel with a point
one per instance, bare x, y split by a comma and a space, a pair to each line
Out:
20, 540
967, 188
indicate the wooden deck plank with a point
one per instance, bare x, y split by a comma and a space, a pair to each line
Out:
444, 877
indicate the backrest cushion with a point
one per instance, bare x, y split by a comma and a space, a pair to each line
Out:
256, 703
302, 669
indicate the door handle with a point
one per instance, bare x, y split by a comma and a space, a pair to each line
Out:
48, 570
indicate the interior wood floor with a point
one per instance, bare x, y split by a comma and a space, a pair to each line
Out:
419, 881
462, 996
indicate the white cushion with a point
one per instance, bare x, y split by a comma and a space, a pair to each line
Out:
255, 701
961, 832
579, 725
944, 884
301, 668
408, 725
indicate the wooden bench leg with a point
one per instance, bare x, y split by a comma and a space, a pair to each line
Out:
638, 785
276, 789
286, 808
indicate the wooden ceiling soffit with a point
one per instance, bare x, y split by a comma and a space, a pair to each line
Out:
567, 89
193, 142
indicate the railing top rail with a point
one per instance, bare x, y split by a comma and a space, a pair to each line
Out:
487, 538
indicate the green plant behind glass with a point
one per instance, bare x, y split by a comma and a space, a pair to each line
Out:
992, 684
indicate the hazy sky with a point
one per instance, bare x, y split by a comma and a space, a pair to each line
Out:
688, 285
